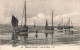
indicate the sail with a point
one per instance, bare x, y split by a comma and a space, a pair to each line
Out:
14, 21
69, 24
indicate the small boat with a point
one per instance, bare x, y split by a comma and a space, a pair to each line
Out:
23, 28
60, 27
68, 25
49, 27
46, 26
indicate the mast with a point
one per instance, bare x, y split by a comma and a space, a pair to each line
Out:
52, 18
25, 11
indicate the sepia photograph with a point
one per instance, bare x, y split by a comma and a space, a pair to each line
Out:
50, 24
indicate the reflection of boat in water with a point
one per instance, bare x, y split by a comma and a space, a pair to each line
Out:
49, 29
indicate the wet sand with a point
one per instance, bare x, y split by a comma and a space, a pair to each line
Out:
59, 38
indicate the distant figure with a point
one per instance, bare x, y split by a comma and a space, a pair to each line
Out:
46, 34
14, 21
36, 34
72, 32
27, 35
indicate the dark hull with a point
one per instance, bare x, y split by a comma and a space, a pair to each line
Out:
60, 27
49, 28
21, 29
68, 27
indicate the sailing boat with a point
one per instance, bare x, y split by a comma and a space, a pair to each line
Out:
60, 26
22, 28
46, 26
68, 25
51, 27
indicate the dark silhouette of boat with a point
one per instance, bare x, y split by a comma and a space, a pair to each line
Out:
46, 26
49, 27
60, 25
20, 30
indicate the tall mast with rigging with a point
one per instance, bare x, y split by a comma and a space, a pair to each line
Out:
25, 12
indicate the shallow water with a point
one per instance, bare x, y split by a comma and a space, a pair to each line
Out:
57, 38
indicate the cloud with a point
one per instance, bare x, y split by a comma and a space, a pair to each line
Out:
41, 18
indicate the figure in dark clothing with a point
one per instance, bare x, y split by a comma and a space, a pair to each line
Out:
14, 21
46, 34
36, 34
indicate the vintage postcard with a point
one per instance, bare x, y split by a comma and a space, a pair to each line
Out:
39, 24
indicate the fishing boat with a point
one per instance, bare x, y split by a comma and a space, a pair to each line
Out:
23, 29
46, 26
60, 25
49, 27
68, 25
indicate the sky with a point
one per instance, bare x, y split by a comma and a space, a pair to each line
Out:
40, 11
